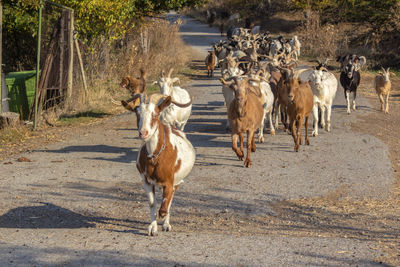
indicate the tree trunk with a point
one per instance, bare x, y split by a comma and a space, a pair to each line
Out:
9, 119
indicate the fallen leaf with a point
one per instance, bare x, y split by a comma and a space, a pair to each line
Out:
23, 159
7, 163
57, 160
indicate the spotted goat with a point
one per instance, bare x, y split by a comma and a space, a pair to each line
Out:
164, 160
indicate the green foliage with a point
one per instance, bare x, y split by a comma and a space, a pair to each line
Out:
107, 19
19, 29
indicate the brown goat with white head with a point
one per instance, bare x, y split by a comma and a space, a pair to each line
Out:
299, 105
382, 86
245, 115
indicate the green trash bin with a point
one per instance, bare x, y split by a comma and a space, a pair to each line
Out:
21, 91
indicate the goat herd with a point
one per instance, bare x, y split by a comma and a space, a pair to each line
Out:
259, 80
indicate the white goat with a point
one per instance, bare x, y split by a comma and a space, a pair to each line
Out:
174, 115
324, 86
267, 100
296, 45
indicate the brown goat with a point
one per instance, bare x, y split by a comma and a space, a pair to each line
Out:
382, 87
245, 114
136, 87
211, 61
299, 105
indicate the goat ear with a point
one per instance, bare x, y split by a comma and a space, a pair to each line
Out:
155, 82
142, 73
176, 79
392, 73
166, 102
227, 83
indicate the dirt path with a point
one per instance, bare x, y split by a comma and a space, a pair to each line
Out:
80, 202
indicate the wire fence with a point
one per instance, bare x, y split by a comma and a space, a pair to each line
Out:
54, 84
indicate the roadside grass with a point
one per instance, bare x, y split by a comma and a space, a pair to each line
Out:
82, 117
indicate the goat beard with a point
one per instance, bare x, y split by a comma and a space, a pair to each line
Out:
241, 112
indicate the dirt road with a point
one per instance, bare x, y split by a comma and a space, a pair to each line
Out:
80, 202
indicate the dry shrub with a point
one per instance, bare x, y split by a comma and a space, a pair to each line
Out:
106, 64
319, 40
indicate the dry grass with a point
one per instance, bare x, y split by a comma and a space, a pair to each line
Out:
107, 64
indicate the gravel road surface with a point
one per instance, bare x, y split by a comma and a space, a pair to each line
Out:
80, 202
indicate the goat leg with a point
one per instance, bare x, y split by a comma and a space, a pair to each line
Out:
235, 148
354, 100
250, 140
299, 125
315, 115
166, 226
168, 191
294, 134
306, 125
253, 143
382, 102
150, 191
387, 103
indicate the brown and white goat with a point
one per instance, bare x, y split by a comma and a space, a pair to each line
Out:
245, 115
211, 62
300, 102
164, 160
382, 86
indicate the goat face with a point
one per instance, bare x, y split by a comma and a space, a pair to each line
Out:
239, 88
316, 78
349, 70
149, 117
166, 85
292, 89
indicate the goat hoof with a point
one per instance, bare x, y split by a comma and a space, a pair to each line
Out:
307, 142
260, 140
153, 229
166, 227
272, 132
247, 163
296, 148
314, 133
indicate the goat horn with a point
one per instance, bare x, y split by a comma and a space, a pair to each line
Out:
170, 72
115, 102
183, 105
163, 73
384, 71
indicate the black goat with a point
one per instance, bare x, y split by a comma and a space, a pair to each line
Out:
350, 79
